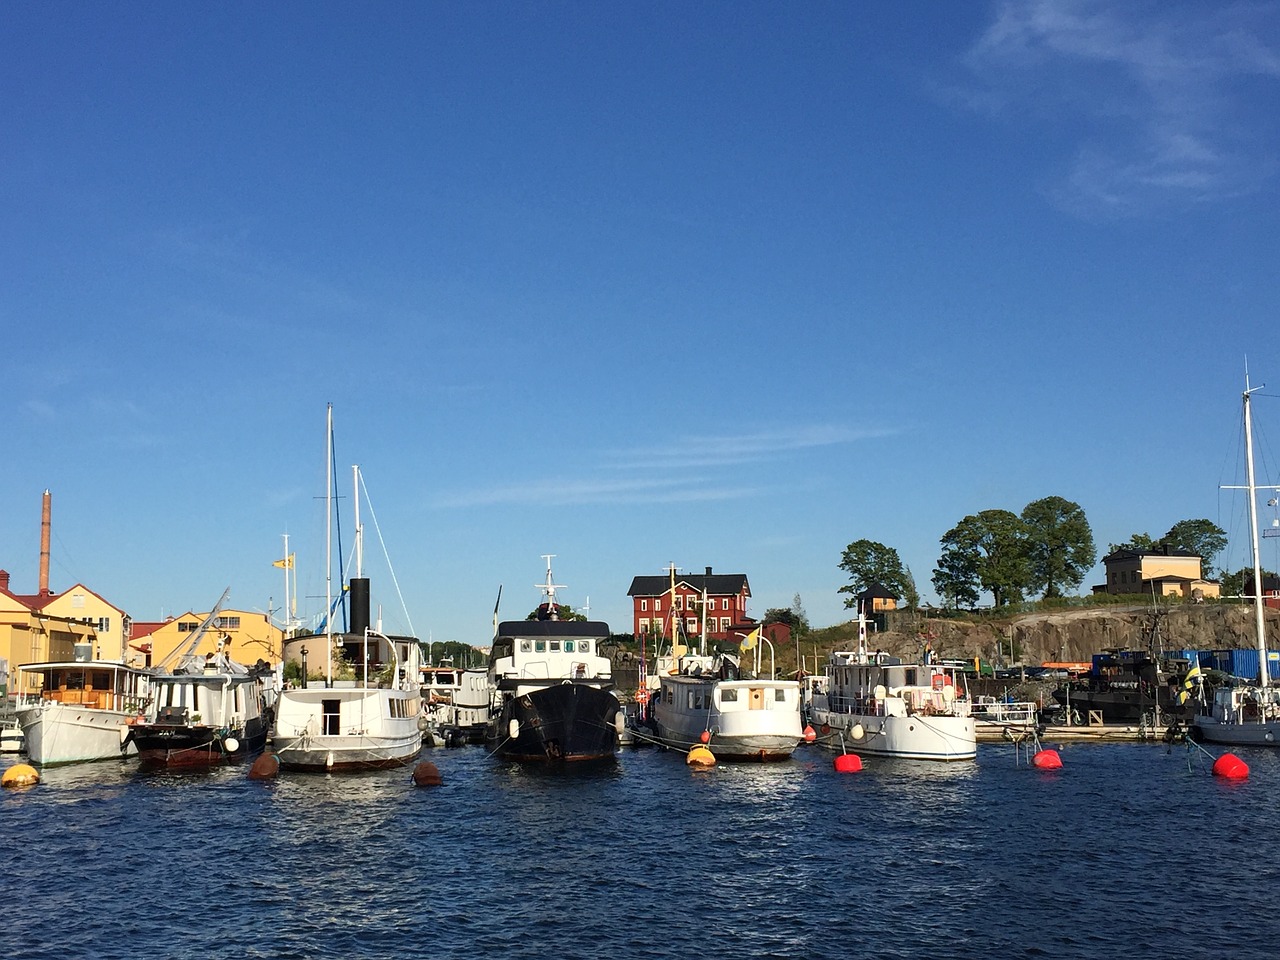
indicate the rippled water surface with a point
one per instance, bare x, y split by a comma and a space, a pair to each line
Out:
1131, 850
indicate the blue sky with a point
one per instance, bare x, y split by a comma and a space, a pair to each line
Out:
725, 284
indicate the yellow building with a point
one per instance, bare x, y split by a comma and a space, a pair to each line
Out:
247, 637
1166, 571
110, 623
31, 636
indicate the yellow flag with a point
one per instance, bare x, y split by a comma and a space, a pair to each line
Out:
749, 641
286, 563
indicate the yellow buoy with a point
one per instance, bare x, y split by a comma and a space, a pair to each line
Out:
20, 775
700, 757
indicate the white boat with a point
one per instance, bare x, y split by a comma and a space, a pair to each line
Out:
79, 710
712, 701
455, 702
879, 706
552, 686
11, 738
371, 721
1245, 714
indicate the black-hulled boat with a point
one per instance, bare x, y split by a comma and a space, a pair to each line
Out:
1127, 686
208, 711
552, 688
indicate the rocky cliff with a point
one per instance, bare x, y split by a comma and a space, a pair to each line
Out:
1075, 635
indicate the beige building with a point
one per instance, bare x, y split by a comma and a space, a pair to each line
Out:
1165, 571
32, 636
247, 638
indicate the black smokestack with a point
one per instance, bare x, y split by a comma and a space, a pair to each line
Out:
359, 604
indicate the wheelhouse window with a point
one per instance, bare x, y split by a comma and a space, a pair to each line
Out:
526, 646
540, 646
568, 646
584, 646
728, 695
555, 646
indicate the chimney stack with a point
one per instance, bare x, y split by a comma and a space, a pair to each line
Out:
45, 522
4, 579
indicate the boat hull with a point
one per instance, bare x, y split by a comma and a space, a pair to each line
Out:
56, 733
916, 737
166, 745
560, 722
746, 720
336, 729
1258, 734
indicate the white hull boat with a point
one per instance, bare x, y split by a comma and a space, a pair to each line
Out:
708, 701
78, 713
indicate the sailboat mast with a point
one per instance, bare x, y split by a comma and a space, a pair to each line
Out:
328, 546
355, 479
1260, 624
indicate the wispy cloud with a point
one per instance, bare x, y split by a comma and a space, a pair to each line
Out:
705, 451
664, 473
1174, 101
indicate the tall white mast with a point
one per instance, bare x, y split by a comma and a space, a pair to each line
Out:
355, 477
1260, 624
288, 565
328, 545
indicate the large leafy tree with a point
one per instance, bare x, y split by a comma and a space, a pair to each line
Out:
1201, 537
1138, 542
984, 551
1059, 545
868, 562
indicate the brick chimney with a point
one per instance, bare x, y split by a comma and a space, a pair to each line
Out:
45, 523
4, 579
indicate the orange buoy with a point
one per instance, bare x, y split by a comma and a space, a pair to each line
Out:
826, 728
265, 767
848, 763
1230, 767
1047, 759
705, 736
809, 735
700, 757
20, 775
425, 774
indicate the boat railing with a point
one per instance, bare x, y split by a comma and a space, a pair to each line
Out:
1002, 711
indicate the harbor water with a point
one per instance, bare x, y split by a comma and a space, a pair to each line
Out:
1131, 850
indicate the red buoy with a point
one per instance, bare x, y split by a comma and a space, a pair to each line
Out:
1230, 767
1047, 759
265, 767
848, 763
426, 774
706, 736
809, 735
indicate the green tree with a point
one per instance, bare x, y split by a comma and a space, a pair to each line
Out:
868, 562
1201, 537
563, 611
1059, 545
1138, 543
984, 551
910, 595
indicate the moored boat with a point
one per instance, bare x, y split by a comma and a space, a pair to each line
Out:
72, 711
372, 720
711, 700
552, 688
207, 712
1244, 713
455, 702
880, 706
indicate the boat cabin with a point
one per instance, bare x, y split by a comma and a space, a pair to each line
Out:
550, 649
96, 684
885, 686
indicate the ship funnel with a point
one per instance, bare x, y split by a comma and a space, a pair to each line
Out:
359, 604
